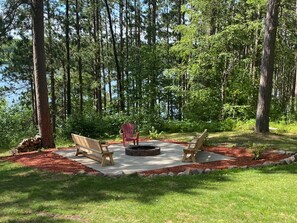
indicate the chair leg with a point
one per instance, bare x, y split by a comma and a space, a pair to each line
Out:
184, 157
77, 152
193, 158
111, 159
103, 161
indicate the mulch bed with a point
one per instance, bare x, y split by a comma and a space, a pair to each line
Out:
243, 157
50, 161
47, 160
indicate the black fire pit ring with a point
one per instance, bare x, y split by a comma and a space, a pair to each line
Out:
142, 150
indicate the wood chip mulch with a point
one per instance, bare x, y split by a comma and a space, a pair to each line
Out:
50, 161
47, 160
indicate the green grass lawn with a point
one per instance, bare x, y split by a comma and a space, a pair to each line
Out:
255, 195
252, 195
283, 141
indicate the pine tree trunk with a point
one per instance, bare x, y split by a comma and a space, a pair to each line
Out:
68, 80
79, 61
52, 72
97, 64
119, 74
43, 112
294, 88
267, 67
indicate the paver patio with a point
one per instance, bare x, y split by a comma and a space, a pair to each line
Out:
171, 155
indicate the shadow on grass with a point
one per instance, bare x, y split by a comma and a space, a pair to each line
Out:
279, 169
242, 139
38, 192
41, 184
36, 195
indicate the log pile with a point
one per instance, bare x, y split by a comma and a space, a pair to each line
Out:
28, 145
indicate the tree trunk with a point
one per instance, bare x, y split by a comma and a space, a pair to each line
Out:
44, 124
52, 72
68, 82
33, 99
101, 45
97, 58
119, 75
294, 89
180, 99
79, 61
127, 53
267, 67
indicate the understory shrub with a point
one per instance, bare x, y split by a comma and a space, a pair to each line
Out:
257, 150
92, 125
16, 124
199, 126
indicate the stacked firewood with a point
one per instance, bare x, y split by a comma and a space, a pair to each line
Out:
27, 145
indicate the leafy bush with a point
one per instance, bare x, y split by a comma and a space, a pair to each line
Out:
243, 112
92, 125
153, 133
257, 150
199, 126
202, 104
16, 124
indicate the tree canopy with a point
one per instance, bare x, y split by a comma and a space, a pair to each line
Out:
196, 60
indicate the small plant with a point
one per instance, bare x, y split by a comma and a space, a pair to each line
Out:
153, 133
257, 150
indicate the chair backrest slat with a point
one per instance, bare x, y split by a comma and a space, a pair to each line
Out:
128, 129
87, 142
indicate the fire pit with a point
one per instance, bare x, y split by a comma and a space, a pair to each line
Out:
142, 150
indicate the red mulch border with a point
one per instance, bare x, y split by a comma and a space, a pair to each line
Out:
50, 161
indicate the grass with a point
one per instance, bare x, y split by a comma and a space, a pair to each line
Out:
258, 195
283, 141
252, 195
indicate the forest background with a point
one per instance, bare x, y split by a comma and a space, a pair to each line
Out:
171, 65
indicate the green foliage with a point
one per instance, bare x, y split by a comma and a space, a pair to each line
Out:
236, 111
16, 124
280, 126
199, 126
257, 150
203, 71
154, 134
202, 105
93, 125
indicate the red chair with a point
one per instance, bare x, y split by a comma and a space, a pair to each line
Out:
128, 132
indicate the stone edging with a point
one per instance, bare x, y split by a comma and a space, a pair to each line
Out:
289, 160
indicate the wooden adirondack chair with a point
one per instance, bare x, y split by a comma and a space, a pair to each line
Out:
128, 132
193, 147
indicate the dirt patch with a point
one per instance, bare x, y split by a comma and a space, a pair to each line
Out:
47, 160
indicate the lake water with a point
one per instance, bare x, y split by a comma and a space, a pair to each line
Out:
10, 97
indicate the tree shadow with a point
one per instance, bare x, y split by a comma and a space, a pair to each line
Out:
279, 169
43, 189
